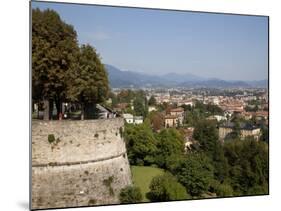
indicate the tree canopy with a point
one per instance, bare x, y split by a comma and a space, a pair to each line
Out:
170, 146
196, 173
89, 81
61, 71
248, 161
54, 54
141, 144
165, 188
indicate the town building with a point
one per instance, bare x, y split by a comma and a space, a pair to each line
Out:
171, 121
217, 118
246, 130
232, 106
105, 113
152, 108
138, 120
130, 119
174, 117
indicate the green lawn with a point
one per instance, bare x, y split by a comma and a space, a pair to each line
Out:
142, 176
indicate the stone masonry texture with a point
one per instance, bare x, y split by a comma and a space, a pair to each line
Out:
78, 163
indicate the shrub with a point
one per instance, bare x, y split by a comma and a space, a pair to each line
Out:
165, 188
51, 138
107, 182
130, 194
221, 190
92, 201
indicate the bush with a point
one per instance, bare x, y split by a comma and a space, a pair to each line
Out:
221, 190
51, 138
224, 190
165, 188
130, 194
107, 182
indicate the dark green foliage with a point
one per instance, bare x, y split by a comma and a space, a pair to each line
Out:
92, 202
248, 161
60, 70
252, 108
54, 54
195, 172
141, 144
206, 134
107, 182
221, 189
152, 101
165, 188
140, 107
51, 138
170, 147
130, 194
199, 112
264, 134
89, 81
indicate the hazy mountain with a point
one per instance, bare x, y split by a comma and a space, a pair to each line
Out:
180, 78
118, 78
121, 79
216, 83
261, 83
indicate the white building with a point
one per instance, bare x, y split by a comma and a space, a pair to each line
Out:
138, 120
217, 117
129, 118
151, 108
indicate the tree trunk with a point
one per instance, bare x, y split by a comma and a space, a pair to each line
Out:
82, 111
59, 109
38, 103
46, 109
51, 108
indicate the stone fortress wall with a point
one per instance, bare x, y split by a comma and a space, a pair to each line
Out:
86, 164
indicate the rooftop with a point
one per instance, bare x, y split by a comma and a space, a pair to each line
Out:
177, 109
243, 126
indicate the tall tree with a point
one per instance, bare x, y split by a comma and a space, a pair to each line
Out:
54, 51
152, 101
170, 147
248, 161
141, 144
140, 106
206, 134
195, 173
89, 81
156, 120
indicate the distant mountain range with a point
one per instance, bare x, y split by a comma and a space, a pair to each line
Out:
123, 79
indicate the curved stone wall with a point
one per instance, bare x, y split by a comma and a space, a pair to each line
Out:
78, 163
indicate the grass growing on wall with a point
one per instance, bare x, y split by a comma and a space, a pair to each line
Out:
142, 176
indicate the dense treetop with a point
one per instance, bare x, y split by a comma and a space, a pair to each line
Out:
61, 70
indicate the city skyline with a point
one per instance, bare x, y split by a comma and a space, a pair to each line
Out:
157, 42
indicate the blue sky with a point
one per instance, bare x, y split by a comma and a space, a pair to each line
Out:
229, 47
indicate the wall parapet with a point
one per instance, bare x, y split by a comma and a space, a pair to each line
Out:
76, 141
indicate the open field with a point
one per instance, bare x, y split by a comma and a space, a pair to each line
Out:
142, 176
